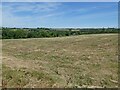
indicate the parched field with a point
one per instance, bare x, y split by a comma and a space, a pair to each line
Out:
74, 61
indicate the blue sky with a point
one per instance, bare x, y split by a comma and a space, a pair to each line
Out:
60, 14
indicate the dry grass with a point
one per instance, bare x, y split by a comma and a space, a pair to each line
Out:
75, 61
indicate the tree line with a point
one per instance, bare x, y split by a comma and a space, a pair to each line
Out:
16, 33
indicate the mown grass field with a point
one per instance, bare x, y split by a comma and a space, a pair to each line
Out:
75, 61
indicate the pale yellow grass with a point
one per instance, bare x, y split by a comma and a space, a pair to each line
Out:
75, 61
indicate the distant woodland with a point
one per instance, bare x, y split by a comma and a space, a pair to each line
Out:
17, 33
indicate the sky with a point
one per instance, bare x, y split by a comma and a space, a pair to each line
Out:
60, 0
59, 14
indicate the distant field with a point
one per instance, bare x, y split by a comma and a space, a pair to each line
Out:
73, 61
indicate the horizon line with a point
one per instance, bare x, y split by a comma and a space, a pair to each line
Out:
60, 27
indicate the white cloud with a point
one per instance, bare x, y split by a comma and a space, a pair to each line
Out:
10, 19
18, 7
42, 14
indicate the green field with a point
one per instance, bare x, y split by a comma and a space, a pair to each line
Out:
73, 61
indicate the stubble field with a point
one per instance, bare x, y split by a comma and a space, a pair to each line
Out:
74, 61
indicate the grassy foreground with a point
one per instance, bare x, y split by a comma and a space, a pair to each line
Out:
75, 61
